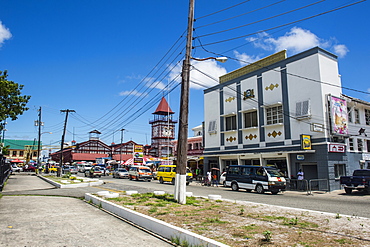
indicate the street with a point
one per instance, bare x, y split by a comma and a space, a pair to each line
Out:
336, 202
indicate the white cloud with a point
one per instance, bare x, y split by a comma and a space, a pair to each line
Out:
210, 70
245, 59
151, 83
341, 50
295, 41
4, 33
133, 93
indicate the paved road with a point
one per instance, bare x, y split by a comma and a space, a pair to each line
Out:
59, 220
334, 202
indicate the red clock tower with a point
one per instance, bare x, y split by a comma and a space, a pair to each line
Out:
163, 130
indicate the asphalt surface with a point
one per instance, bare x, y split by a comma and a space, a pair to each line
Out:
34, 213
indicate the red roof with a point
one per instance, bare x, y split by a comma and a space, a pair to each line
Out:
87, 157
163, 108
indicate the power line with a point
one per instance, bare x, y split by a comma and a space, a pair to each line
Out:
283, 25
223, 10
265, 19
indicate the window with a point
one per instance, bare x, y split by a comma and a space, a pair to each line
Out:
234, 170
357, 116
250, 119
359, 145
350, 120
368, 145
351, 147
367, 117
212, 127
339, 170
246, 171
302, 109
190, 146
21, 153
14, 153
230, 122
274, 115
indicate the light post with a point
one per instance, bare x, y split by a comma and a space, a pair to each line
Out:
120, 149
39, 147
180, 181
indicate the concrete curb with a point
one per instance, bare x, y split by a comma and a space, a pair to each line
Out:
159, 227
58, 185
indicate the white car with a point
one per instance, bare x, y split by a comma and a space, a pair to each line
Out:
223, 178
16, 168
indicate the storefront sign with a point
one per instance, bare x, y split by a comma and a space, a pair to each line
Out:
337, 148
306, 142
300, 157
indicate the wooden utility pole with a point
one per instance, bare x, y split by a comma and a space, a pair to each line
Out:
39, 140
180, 181
62, 143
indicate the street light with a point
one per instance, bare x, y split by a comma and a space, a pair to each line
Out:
39, 146
120, 149
218, 59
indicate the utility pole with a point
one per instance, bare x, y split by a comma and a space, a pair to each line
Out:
62, 143
120, 149
180, 181
39, 139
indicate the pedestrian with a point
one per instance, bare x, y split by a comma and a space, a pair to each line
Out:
214, 180
209, 178
300, 177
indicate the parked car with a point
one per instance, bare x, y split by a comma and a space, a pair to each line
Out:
29, 168
167, 173
16, 168
258, 178
73, 169
95, 171
140, 173
223, 178
360, 180
120, 173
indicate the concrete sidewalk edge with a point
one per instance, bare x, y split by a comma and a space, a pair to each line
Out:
58, 185
159, 227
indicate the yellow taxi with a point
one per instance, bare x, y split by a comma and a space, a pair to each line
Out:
167, 173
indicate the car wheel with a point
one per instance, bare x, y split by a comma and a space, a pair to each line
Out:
348, 190
173, 181
129, 177
274, 192
161, 180
259, 189
234, 187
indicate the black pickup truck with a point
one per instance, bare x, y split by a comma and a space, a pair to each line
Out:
360, 180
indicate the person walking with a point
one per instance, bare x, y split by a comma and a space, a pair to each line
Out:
300, 177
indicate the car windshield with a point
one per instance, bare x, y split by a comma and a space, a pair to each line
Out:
274, 172
121, 170
361, 173
144, 170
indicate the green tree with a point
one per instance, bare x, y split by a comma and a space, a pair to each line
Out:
12, 103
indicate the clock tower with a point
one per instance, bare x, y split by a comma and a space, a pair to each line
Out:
163, 130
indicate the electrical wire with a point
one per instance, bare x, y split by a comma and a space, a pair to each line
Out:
222, 10
265, 19
283, 25
249, 12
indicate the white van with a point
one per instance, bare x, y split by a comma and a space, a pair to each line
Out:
258, 178
83, 167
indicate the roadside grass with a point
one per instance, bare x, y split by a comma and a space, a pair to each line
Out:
234, 224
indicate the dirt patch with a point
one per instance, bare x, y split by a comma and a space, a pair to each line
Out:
252, 224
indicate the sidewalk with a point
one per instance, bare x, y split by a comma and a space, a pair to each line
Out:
40, 220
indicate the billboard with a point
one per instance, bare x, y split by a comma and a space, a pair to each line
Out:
339, 116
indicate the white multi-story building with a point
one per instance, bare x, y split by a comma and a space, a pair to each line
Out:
285, 112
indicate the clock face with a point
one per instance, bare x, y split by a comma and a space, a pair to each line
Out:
167, 131
155, 131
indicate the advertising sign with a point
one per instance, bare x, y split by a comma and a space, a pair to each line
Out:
339, 116
337, 148
306, 142
138, 154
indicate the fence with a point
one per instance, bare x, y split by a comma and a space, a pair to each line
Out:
307, 185
4, 171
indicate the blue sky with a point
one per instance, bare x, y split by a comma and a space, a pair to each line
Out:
111, 61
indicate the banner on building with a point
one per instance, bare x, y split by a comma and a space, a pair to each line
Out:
339, 116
